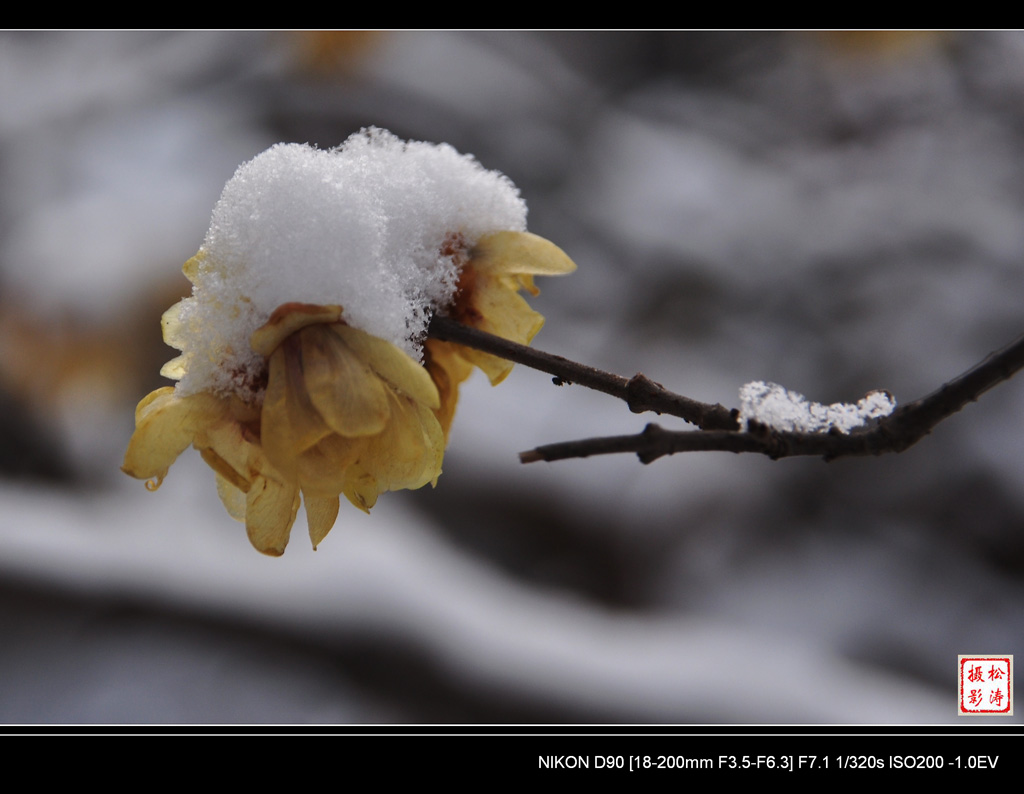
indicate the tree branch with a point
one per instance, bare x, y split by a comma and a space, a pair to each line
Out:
897, 432
720, 430
640, 393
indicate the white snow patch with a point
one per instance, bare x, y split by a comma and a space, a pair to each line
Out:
361, 225
782, 409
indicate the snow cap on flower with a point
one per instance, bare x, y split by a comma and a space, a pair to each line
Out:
305, 370
362, 226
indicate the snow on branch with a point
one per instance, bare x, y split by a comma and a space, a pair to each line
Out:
781, 409
772, 420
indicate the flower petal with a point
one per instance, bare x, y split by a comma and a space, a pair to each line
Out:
409, 452
174, 330
519, 252
146, 404
435, 439
175, 368
289, 424
165, 425
321, 513
447, 369
224, 470
323, 470
286, 320
361, 488
232, 498
502, 311
270, 508
230, 446
390, 363
191, 267
349, 397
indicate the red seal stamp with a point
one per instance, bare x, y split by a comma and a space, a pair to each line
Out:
986, 685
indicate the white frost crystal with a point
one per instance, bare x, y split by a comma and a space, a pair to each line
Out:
782, 409
362, 226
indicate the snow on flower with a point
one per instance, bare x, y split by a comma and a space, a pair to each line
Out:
303, 367
781, 409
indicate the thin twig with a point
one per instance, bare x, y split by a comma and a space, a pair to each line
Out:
897, 432
640, 393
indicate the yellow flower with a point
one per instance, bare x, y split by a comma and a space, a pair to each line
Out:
291, 401
343, 413
487, 298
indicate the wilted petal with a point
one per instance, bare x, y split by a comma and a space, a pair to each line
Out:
321, 513
270, 509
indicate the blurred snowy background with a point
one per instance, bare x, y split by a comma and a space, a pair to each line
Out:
836, 213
